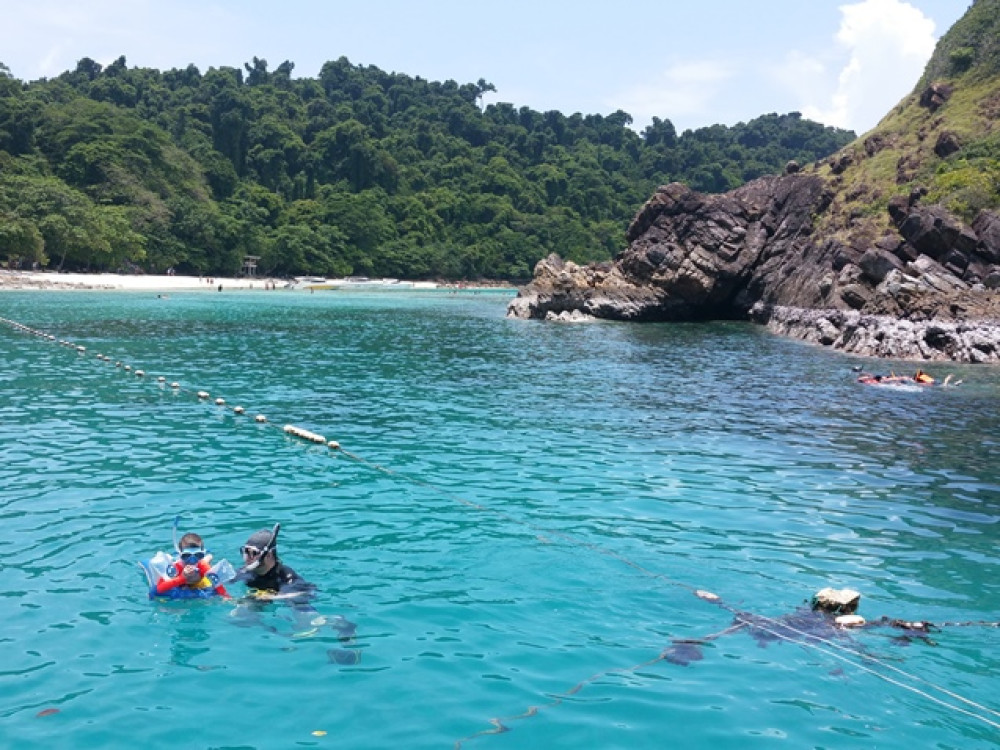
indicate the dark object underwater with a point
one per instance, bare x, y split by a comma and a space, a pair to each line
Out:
829, 618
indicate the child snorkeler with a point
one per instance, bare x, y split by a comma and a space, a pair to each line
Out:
190, 571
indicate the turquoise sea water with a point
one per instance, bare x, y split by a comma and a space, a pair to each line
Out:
517, 529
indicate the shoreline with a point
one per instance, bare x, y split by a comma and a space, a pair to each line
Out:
52, 281
973, 341
48, 280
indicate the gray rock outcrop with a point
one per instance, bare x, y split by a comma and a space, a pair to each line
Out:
927, 290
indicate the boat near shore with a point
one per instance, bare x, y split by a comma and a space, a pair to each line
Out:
314, 283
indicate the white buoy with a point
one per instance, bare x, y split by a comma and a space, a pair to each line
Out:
238, 410
304, 434
161, 379
260, 418
708, 596
81, 348
139, 373
203, 394
175, 384
850, 621
128, 368
333, 445
220, 402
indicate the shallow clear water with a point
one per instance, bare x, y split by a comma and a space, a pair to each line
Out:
532, 508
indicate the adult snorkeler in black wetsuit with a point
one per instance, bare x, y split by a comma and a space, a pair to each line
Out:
265, 574
267, 579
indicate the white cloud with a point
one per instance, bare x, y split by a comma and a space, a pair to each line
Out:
887, 43
806, 77
683, 91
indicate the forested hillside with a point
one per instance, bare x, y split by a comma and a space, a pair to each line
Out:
356, 171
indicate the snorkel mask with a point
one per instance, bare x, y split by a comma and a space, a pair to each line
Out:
189, 555
261, 553
192, 556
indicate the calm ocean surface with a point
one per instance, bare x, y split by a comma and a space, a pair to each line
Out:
517, 530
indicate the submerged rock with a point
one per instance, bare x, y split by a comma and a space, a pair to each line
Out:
569, 316
683, 653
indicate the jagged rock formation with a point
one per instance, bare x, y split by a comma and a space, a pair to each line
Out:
855, 252
693, 256
928, 292
974, 341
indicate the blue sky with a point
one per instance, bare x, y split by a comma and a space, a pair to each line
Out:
695, 63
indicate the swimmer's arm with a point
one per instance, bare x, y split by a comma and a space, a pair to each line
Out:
166, 584
189, 574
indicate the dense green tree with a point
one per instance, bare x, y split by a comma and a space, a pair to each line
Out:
21, 243
75, 231
18, 119
354, 171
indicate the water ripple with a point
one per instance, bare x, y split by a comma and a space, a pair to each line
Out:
546, 497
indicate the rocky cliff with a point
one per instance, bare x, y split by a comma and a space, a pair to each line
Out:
889, 248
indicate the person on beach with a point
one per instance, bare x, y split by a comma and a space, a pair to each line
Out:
192, 566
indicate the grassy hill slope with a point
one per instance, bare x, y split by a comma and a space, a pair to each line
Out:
942, 141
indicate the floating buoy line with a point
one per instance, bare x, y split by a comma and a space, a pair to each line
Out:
202, 395
773, 626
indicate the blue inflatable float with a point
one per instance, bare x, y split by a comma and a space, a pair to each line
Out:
161, 566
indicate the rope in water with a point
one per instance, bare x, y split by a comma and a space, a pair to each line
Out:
777, 628
202, 395
831, 649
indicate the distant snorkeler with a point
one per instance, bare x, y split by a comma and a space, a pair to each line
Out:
830, 616
919, 378
268, 579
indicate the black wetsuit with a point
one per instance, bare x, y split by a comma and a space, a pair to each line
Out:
281, 579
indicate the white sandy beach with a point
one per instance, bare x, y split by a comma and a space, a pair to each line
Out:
144, 282
162, 283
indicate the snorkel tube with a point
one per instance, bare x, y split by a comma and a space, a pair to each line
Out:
177, 521
269, 547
